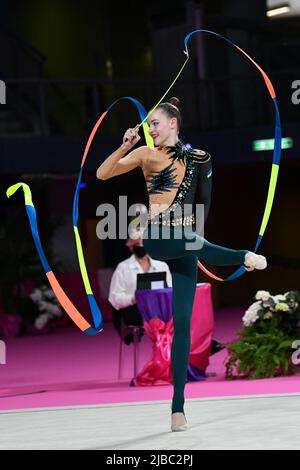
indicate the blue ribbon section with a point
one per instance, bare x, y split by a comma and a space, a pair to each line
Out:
96, 313
277, 142
31, 212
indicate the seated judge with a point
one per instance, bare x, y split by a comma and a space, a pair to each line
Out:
123, 285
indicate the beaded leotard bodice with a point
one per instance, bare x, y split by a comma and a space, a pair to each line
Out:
172, 175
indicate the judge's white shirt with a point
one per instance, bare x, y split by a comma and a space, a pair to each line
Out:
123, 281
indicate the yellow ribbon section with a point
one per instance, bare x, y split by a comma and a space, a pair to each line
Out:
84, 273
158, 103
27, 193
148, 138
270, 198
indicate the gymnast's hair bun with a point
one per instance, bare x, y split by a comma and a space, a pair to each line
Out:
174, 101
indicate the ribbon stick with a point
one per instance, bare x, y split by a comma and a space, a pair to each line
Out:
276, 153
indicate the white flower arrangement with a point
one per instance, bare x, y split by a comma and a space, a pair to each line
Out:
267, 305
251, 314
264, 347
262, 295
47, 304
281, 307
279, 298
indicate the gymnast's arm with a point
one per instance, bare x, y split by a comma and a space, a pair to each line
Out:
117, 164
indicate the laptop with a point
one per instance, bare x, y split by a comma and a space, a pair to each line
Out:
151, 281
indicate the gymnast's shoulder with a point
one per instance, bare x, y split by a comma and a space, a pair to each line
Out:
140, 155
147, 155
200, 156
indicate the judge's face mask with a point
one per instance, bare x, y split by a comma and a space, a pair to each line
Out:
139, 251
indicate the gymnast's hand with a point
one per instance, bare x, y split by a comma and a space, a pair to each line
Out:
131, 137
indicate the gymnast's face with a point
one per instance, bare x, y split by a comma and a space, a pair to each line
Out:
162, 129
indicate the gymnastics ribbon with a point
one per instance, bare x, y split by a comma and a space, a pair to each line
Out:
276, 156
62, 297
276, 153
66, 303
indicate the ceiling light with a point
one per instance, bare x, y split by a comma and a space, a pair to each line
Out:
279, 10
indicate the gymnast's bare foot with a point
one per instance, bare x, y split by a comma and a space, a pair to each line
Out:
179, 422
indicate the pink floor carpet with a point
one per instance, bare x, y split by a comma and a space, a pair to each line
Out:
68, 368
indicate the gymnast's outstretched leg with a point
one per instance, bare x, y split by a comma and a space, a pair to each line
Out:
167, 246
219, 255
222, 256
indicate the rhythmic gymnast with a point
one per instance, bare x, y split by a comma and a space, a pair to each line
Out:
173, 172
